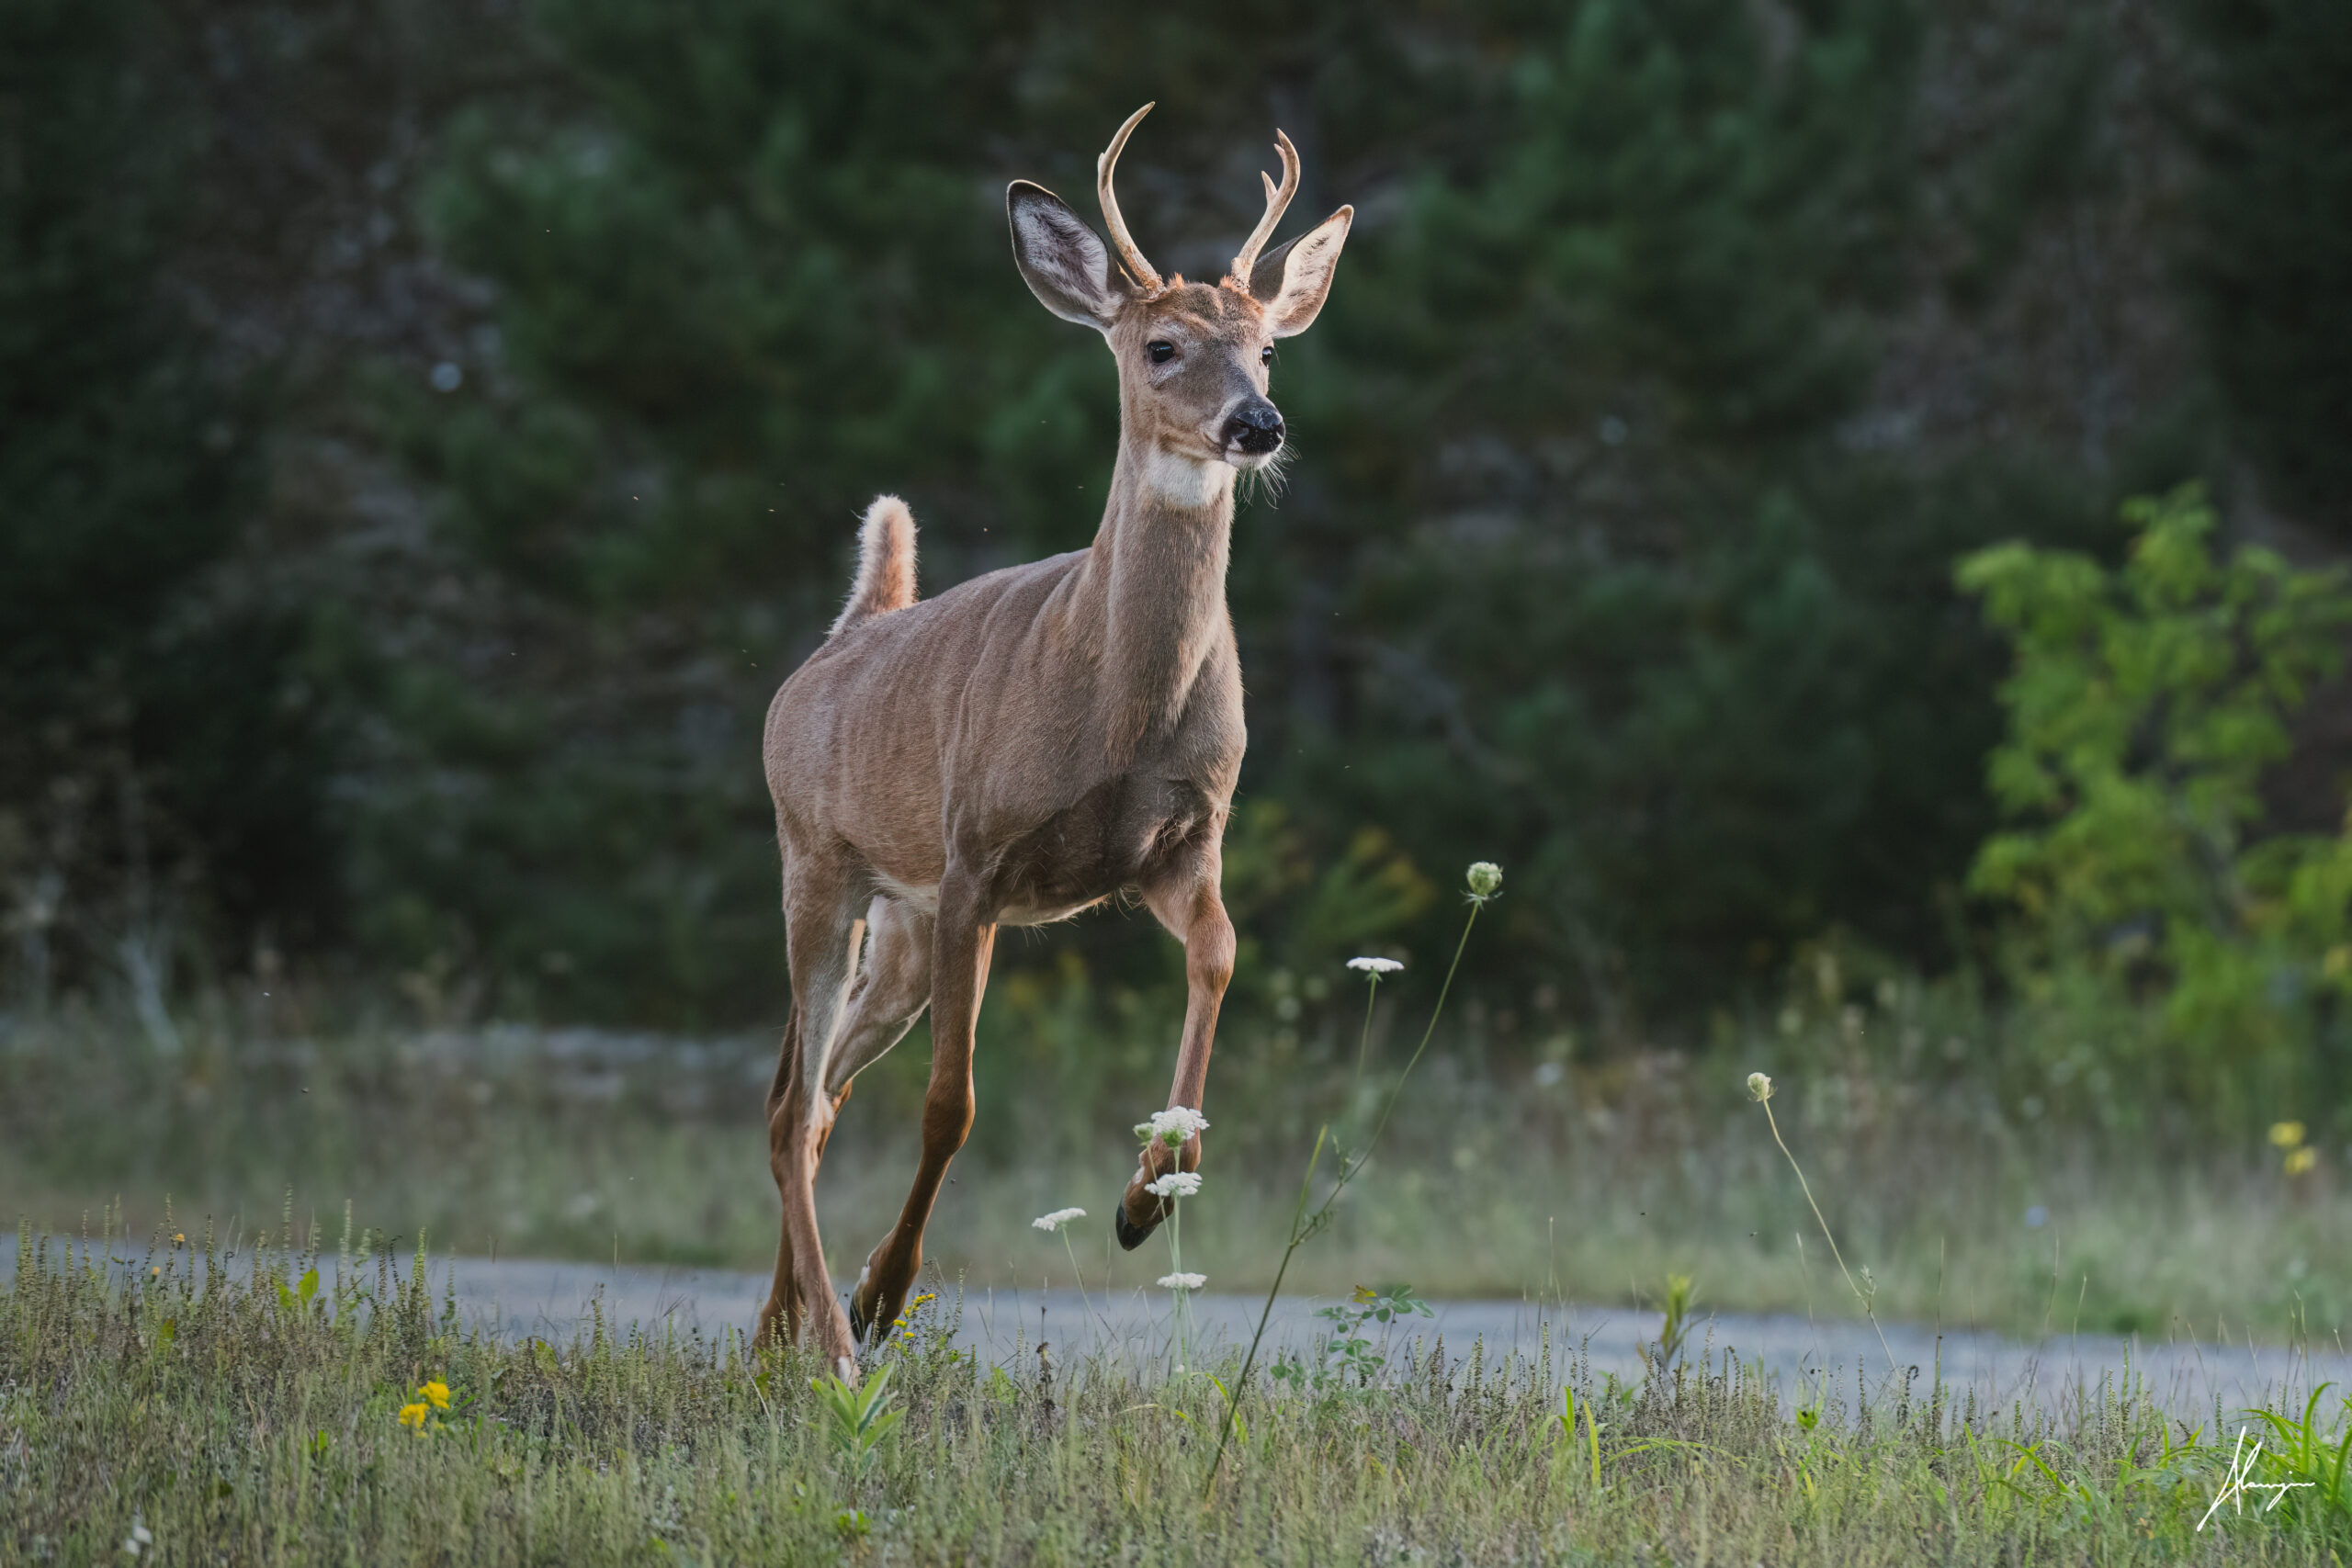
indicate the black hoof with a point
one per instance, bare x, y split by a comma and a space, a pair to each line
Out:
1130, 1236
857, 1324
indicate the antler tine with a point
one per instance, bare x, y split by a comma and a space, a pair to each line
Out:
1276, 200
1130, 254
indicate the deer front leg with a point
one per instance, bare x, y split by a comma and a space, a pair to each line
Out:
1194, 912
961, 947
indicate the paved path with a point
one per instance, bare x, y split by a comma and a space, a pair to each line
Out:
558, 1300
554, 1300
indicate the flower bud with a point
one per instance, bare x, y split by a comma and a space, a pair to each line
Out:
1485, 876
1758, 1087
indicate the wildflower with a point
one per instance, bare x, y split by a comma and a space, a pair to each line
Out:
1172, 1126
1182, 1282
1485, 877
414, 1415
1175, 1184
436, 1393
1758, 1087
904, 1322
1057, 1220
179, 1238
1374, 966
140, 1539
2287, 1134
2299, 1161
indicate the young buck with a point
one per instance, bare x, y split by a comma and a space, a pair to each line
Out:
1033, 741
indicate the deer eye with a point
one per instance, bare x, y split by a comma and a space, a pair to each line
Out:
1266, 354
1161, 353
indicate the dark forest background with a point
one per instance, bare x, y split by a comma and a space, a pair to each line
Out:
429, 431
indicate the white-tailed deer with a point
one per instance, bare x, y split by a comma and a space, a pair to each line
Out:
1031, 742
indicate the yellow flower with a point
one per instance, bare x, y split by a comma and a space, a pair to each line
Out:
2299, 1161
414, 1416
2287, 1134
437, 1394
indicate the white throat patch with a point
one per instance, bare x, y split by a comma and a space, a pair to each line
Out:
1186, 481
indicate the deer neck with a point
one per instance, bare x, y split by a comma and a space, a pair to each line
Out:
1158, 583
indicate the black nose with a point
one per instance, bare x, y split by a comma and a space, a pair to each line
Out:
1256, 426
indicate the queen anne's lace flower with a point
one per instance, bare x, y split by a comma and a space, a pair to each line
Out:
1057, 1219
1374, 966
1171, 1127
1182, 1282
1175, 1184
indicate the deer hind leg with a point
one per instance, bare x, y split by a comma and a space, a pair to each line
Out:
1190, 906
821, 932
893, 987
961, 946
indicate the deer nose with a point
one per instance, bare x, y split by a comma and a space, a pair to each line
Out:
1256, 426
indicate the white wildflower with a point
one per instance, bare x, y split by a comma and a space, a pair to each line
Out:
1171, 1127
1175, 1184
1182, 1282
138, 1540
1485, 877
1374, 966
1758, 1087
1057, 1219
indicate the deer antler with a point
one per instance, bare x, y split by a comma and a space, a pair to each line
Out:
1276, 200
1130, 254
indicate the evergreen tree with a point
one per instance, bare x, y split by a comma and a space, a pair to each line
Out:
2272, 260
155, 772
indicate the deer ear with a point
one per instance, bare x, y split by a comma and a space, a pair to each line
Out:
1066, 266
1291, 279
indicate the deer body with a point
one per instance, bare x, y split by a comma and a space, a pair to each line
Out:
1026, 744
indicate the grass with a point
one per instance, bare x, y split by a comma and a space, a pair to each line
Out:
211, 1407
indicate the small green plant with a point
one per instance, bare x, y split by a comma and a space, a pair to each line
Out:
1659, 1355
857, 1420
1344, 1348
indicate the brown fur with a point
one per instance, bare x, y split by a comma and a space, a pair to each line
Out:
1024, 745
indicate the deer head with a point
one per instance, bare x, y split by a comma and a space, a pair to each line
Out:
1193, 358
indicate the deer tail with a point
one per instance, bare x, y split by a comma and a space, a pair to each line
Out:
885, 563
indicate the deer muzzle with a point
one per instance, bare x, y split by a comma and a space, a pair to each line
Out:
1255, 429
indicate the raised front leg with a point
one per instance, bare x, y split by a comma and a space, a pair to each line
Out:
961, 947
1192, 909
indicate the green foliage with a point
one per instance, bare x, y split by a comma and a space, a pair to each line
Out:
2302, 1457
2145, 704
